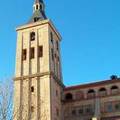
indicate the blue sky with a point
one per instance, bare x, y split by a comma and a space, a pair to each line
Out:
90, 30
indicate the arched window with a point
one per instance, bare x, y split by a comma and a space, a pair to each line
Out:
68, 96
36, 19
114, 89
102, 92
79, 95
37, 7
32, 36
41, 7
91, 93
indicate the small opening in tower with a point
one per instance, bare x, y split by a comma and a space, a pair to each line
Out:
32, 89
32, 36
56, 92
32, 108
36, 19
57, 111
40, 51
32, 52
51, 37
55, 55
57, 44
58, 59
24, 54
41, 7
37, 7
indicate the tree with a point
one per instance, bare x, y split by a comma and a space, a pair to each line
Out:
7, 111
6, 98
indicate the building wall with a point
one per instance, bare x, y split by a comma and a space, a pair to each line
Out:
42, 74
86, 106
56, 77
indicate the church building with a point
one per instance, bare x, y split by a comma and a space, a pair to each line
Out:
39, 91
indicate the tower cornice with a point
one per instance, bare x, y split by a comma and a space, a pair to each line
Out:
41, 75
47, 21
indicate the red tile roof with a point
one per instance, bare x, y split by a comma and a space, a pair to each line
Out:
95, 84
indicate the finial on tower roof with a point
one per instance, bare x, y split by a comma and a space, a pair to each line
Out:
39, 1
38, 5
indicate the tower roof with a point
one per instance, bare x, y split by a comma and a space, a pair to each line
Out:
38, 11
38, 16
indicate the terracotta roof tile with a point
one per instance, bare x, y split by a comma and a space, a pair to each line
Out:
95, 84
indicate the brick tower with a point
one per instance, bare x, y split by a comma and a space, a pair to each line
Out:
38, 80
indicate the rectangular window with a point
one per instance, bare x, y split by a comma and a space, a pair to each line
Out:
32, 53
40, 51
32, 108
24, 54
89, 109
117, 106
73, 112
108, 107
32, 89
80, 111
57, 112
51, 37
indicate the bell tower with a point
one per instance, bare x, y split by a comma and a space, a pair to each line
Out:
38, 77
38, 5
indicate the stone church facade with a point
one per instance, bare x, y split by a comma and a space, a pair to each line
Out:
39, 91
